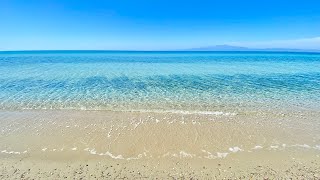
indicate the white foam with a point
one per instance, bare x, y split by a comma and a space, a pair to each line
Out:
210, 155
74, 149
166, 154
114, 157
235, 149
109, 133
317, 147
216, 113
222, 155
274, 147
302, 146
13, 152
257, 147
284, 145
184, 154
135, 158
137, 124
44, 149
93, 151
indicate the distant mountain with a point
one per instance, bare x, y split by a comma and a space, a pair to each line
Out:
239, 48
288, 50
220, 48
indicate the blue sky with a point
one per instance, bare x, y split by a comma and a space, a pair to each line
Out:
158, 25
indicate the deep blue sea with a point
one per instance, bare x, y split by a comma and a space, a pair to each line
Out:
159, 81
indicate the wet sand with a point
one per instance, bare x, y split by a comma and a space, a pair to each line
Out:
106, 144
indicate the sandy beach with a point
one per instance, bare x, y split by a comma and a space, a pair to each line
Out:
251, 168
165, 145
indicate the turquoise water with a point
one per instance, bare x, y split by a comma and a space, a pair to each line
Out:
164, 81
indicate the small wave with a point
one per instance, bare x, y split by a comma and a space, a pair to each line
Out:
217, 113
184, 154
235, 149
185, 112
257, 147
222, 155
13, 152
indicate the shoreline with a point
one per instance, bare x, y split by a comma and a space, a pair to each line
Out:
256, 145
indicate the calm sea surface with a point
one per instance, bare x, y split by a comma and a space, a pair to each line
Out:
159, 81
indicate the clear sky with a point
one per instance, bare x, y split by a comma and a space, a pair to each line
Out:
158, 25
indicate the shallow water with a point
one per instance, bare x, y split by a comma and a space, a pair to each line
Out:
75, 134
228, 82
158, 105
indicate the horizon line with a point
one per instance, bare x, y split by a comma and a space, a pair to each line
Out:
271, 50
